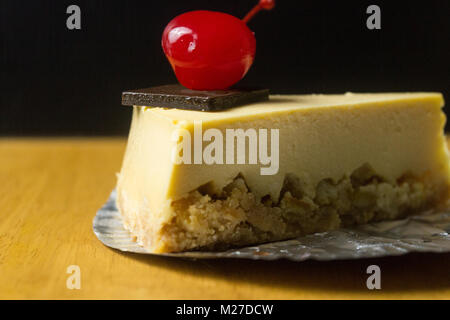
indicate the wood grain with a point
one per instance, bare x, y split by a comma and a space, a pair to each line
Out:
50, 190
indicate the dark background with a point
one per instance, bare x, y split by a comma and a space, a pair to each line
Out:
56, 81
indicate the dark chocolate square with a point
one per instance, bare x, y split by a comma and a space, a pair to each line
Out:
177, 96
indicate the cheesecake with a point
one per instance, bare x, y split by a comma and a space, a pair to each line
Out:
278, 169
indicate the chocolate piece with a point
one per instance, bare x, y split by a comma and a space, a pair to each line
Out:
177, 96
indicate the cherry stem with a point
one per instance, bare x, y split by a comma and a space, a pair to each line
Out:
252, 12
262, 4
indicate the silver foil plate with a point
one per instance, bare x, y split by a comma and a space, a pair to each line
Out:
428, 232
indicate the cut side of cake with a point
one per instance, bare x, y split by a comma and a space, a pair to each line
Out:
343, 160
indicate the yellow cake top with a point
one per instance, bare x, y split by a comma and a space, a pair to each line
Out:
287, 103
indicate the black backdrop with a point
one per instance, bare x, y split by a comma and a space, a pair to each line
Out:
55, 81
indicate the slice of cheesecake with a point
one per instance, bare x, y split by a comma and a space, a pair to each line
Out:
198, 180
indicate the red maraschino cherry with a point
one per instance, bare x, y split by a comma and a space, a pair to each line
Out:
211, 50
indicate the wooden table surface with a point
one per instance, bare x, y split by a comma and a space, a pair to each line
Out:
50, 190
